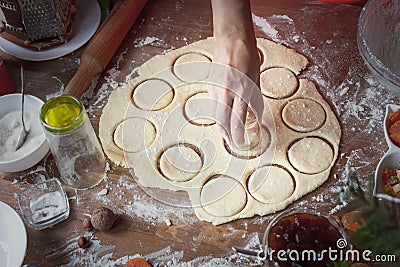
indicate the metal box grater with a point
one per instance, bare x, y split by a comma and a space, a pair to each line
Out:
37, 23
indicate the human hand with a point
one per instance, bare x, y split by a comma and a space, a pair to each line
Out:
234, 85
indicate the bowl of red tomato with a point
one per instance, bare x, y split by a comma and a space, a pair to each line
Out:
387, 174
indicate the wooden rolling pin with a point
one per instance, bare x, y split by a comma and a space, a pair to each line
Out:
104, 44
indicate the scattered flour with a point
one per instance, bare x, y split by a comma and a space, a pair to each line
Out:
131, 74
99, 255
59, 92
146, 41
266, 27
140, 206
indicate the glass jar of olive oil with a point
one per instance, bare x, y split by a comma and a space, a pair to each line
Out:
73, 142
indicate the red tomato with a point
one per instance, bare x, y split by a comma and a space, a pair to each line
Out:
387, 175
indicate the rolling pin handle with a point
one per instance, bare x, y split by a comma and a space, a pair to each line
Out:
83, 76
104, 44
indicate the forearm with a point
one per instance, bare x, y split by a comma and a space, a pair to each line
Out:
237, 59
235, 39
232, 20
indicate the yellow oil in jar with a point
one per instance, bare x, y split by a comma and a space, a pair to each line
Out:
61, 114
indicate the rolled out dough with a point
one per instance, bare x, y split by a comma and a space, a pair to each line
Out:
159, 125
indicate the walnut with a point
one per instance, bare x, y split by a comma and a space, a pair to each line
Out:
102, 219
83, 242
87, 224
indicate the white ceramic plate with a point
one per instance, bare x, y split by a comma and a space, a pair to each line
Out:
13, 239
87, 20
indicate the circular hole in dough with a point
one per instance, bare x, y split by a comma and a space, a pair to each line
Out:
223, 196
134, 134
197, 109
153, 94
192, 67
260, 55
278, 83
180, 163
310, 155
257, 140
271, 184
303, 115
251, 134
203, 143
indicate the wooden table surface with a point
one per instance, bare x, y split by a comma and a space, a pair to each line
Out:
325, 33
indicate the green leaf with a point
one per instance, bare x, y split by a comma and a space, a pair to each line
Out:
380, 232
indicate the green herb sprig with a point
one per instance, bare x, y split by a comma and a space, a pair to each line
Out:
380, 232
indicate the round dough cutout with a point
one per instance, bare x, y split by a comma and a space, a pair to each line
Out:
278, 83
180, 163
192, 67
223, 196
134, 134
310, 155
153, 94
271, 184
257, 140
198, 109
303, 115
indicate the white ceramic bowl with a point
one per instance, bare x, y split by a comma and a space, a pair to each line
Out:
390, 160
12, 102
379, 41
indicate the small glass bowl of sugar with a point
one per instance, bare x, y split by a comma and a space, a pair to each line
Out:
44, 204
